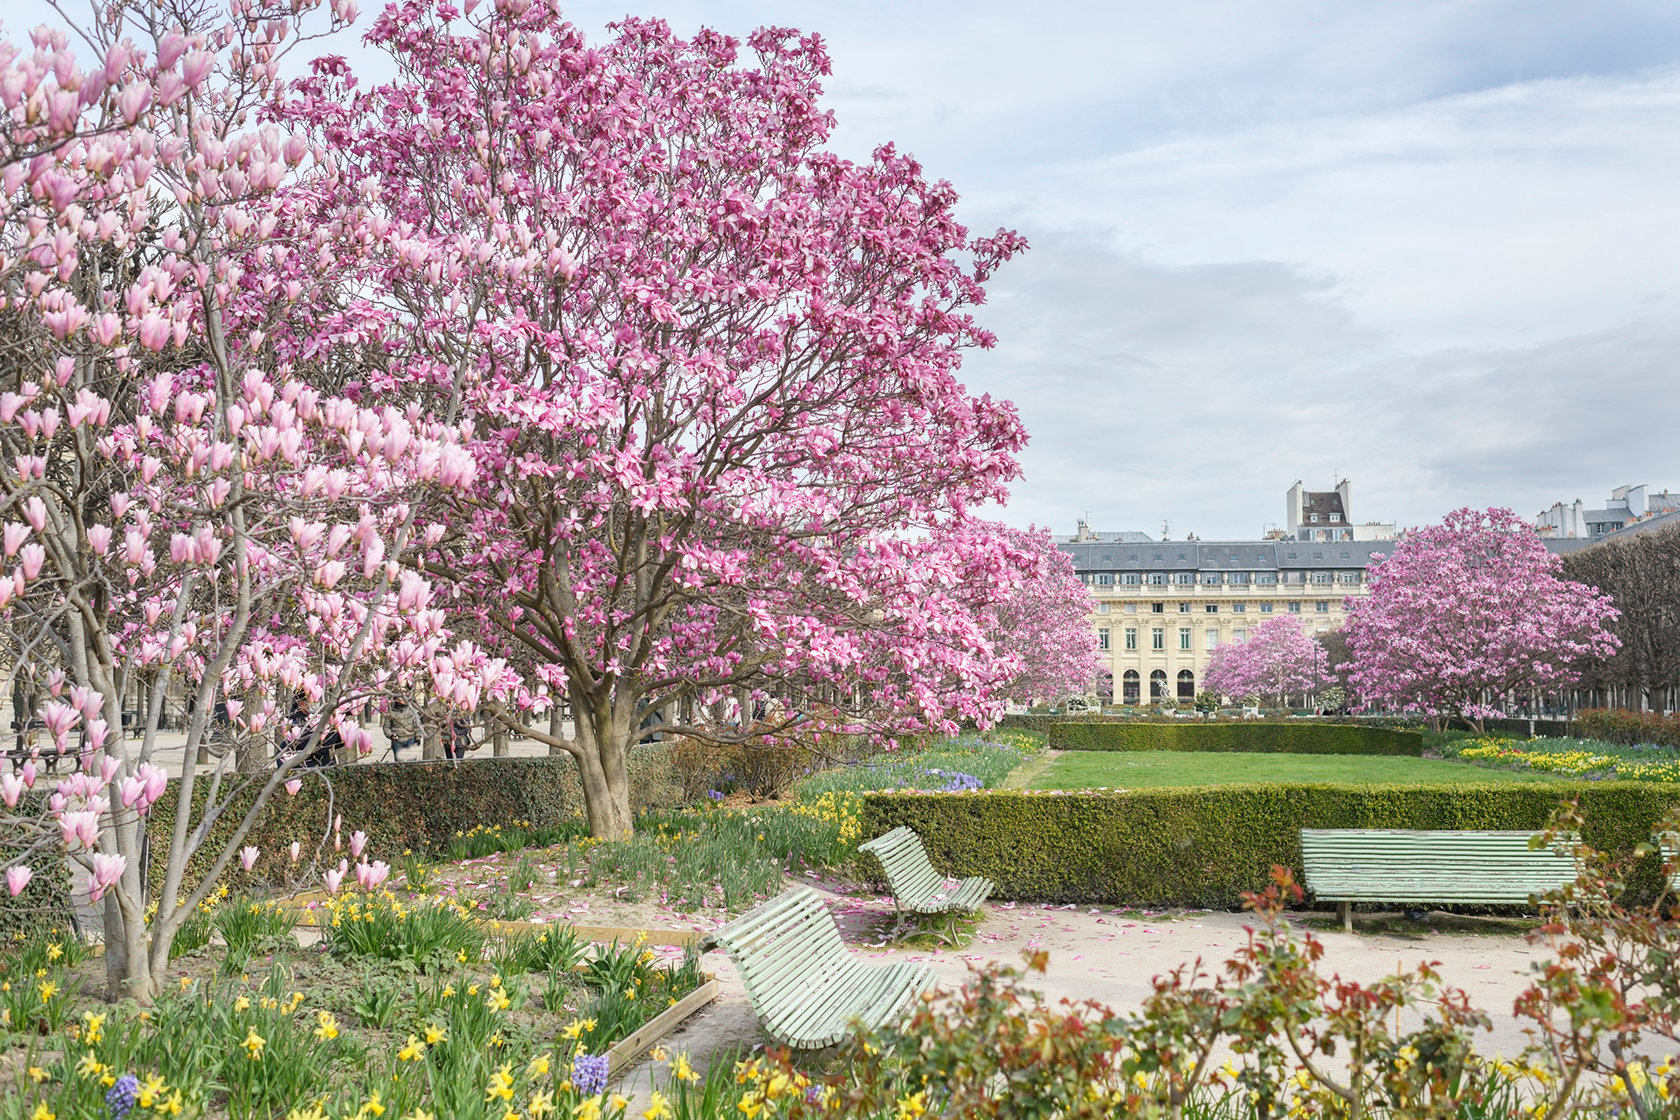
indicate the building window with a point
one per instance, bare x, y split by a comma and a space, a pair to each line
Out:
1131, 608
1239, 577
1238, 637
1102, 608
1157, 638
1102, 638
1313, 518
1350, 578
1321, 577
1267, 578
1294, 608
1322, 606
1335, 517
1157, 608
1131, 637
1184, 577
1184, 608
1265, 608
1130, 579
1212, 608
1239, 608
1156, 579
1105, 579
1129, 687
1211, 639
1158, 685
1210, 577
1186, 685
1184, 639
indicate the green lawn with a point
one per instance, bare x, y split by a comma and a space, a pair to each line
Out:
1142, 769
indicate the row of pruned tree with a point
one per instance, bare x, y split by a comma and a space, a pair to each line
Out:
1641, 575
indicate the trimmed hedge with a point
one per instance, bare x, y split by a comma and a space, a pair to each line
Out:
1289, 738
1203, 847
405, 805
47, 897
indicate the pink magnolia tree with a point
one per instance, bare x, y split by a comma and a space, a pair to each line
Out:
1278, 660
708, 372
1466, 614
1036, 612
180, 507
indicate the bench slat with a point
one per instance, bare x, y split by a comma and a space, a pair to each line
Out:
1402, 865
916, 885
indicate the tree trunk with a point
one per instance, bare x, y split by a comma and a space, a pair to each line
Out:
556, 726
603, 747
499, 742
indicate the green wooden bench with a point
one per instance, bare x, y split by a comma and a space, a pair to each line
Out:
1348, 865
1668, 847
805, 986
916, 887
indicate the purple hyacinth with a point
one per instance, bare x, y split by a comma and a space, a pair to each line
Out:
589, 1074
120, 1097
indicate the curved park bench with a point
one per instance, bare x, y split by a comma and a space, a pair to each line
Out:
805, 986
916, 887
1348, 865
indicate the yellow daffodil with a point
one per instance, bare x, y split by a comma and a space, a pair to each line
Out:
682, 1071
658, 1054
750, 1105
42, 1112
37, 1074
588, 1109
538, 1066
461, 957
254, 1044
89, 1065
150, 1091
501, 1085
326, 1026
413, 1051
370, 1107
242, 1004
913, 1106
435, 1034
658, 1107
448, 990
540, 1105
48, 990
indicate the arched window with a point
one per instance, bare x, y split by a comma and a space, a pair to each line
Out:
1129, 686
1186, 685
1158, 685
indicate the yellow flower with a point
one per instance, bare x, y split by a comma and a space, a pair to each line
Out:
461, 957
37, 1074
54, 952
620, 1102
436, 1034
501, 1085
682, 1071
186, 982
658, 1054
371, 1107
420, 1114
326, 1026
413, 1051
589, 1109
750, 1105
89, 1066
472, 989
448, 990
254, 1044
538, 1066
172, 1106
313, 1112
541, 1104
658, 1107
913, 1106
242, 1004
578, 1027
42, 1112
150, 1091
48, 990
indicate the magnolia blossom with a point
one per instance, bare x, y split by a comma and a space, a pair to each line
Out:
105, 870
18, 878
332, 877
371, 875
1279, 659
248, 856
358, 841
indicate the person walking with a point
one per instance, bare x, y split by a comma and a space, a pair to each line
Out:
401, 725
457, 738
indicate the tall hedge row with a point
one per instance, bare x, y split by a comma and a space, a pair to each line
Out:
47, 897
405, 805
1204, 847
1292, 738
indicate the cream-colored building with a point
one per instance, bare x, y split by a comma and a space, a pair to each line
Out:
1162, 607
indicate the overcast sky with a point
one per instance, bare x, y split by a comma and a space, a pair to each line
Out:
1433, 248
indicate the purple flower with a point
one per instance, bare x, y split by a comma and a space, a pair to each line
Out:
120, 1098
589, 1074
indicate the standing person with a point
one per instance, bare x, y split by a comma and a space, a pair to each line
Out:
401, 725
457, 737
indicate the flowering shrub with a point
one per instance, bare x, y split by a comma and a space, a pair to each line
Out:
1619, 725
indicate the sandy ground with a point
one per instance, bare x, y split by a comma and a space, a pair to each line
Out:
1111, 955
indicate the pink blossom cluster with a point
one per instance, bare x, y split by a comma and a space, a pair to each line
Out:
1278, 659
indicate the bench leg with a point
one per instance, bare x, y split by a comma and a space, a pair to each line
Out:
1345, 910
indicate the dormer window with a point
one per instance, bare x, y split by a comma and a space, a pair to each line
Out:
1314, 519
1335, 517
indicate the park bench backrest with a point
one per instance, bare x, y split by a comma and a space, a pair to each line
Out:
910, 875
1668, 845
1393, 865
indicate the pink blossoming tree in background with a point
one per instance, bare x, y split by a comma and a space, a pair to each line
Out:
1466, 615
1036, 612
1279, 659
177, 501
708, 371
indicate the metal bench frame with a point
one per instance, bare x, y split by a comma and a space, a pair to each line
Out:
1348, 865
806, 987
917, 888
